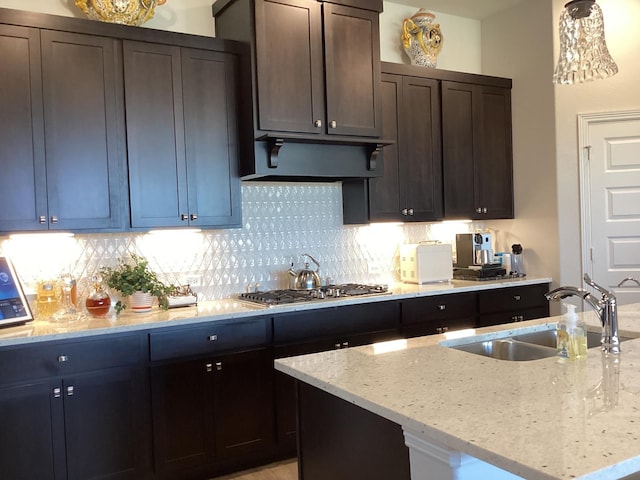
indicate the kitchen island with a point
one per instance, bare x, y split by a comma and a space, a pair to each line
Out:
468, 416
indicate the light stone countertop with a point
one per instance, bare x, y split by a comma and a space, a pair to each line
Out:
227, 309
539, 419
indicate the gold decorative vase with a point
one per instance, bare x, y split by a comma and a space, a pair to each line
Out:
422, 38
125, 12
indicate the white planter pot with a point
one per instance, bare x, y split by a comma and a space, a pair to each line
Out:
141, 302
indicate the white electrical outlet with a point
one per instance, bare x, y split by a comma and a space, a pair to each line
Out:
374, 268
192, 280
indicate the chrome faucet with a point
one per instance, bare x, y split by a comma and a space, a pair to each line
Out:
606, 308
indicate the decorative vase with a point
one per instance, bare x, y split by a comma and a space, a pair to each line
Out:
126, 12
141, 302
422, 39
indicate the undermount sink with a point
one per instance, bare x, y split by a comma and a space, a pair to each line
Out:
508, 349
524, 347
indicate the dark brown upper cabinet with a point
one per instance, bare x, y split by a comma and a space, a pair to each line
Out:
452, 157
62, 143
316, 63
314, 110
477, 151
411, 187
181, 130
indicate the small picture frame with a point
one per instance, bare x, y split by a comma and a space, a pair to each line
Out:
14, 308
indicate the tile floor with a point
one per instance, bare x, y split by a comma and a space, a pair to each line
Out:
285, 470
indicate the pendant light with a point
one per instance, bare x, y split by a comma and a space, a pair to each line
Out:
583, 51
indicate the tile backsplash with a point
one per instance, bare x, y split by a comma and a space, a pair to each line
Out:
280, 222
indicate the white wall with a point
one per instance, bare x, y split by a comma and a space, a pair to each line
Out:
523, 51
619, 92
462, 39
184, 16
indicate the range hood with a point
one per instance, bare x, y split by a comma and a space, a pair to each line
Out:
293, 158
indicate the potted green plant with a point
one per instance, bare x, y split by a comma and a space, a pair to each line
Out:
134, 277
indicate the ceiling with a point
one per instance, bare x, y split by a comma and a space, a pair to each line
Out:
478, 9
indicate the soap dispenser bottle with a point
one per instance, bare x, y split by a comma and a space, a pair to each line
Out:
572, 335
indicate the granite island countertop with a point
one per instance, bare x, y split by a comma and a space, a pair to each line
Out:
229, 309
539, 419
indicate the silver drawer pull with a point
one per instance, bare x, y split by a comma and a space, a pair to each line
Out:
516, 298
54, 219
442, 307
57, 392
218, 366
209, 367
70, 391
62, 358
42, 219
212, 338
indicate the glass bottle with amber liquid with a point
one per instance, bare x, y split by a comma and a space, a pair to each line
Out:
98, 301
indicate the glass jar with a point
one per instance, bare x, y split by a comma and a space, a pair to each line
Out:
98, 302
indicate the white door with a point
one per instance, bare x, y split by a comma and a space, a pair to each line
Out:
610, 152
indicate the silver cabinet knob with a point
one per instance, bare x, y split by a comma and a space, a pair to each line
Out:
212, 338
411, 212
442, 307
318, 123
70, 391
184, 217
193, 216
62, 358
333, 124
209, 367
54, 219
484, 210
42, 219
218, 366
405, 212
57, 392
516, 298
479, 210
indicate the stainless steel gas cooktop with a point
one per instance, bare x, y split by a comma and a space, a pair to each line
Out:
331, 292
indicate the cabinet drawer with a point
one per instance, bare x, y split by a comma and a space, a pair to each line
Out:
513, 298
213, 337
62, 358
328, 323
512, 316
439, 308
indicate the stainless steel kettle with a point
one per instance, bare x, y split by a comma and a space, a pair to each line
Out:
306, 279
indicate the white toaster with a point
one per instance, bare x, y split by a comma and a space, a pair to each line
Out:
425, 263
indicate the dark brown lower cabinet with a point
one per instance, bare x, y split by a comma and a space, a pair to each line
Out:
514, 304
88, 426
341, 441
212, 414
438, 314
321, 330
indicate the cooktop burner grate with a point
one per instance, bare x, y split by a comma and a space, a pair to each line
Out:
287, 296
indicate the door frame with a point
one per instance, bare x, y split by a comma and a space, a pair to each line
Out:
585, 120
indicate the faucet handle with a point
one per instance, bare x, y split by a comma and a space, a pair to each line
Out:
602, 290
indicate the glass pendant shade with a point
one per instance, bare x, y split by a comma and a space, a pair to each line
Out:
583, 51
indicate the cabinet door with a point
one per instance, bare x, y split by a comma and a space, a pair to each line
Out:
477, 151
459, 148
155, 135
211, 138
352, 66
82, 92
107, 425
32, 433
384, 191
494, 176
23, 180
289, 66
420, 149
182, 416
243, 404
